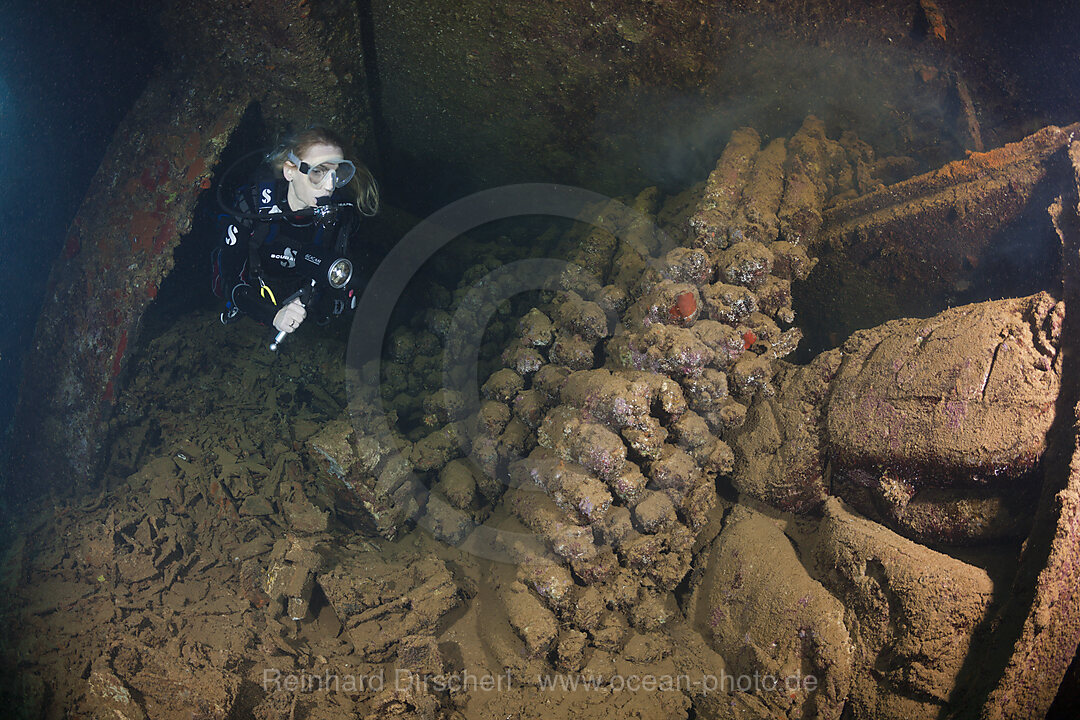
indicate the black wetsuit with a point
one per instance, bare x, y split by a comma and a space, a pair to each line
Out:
261, 260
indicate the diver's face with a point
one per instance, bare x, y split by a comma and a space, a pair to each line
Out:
303, 193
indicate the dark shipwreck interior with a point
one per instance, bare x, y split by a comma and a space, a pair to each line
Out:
706, 360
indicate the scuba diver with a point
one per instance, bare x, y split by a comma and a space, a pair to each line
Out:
284, 254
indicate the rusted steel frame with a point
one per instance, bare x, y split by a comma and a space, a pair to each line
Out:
972, 198
1045, 604
117, 251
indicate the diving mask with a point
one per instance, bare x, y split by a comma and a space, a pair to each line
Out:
342, 170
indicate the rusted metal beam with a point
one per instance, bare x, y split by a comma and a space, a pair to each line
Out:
954, 235
965, 197
117, 251
1041, 621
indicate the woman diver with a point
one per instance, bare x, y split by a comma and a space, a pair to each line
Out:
285, 251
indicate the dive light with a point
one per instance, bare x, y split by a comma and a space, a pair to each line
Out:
335, 273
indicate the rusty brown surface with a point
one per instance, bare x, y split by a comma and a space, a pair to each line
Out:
140, 203
969, 193
117, 251
954, 235
914, 242
1046, 594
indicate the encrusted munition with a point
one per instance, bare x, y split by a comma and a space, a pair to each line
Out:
627, 456
609, 425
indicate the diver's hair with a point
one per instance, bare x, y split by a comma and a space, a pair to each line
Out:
365, 190
362, 187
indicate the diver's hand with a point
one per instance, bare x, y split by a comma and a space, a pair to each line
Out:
290, 316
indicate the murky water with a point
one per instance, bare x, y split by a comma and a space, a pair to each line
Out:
645, 462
